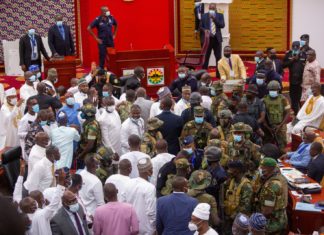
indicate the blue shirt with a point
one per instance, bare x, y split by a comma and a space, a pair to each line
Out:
104, 26
301, 157
72, 114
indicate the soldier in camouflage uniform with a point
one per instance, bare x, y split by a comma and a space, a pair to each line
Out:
198, 128
270, 198
238, 90
183, 169
218, 97
224, 158
225, 125
198, 182
242, 148
277, 113
151, 136
238, 195
124, 107
104, 157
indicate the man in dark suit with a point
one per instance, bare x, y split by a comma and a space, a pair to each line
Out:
172, 126
60, 39
44, 100
199, 11
174, 211
70, 218
212, 23
316, 165
134, 81
30, 48
277, 64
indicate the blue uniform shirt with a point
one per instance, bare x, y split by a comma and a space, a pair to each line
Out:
72, 114
104, 26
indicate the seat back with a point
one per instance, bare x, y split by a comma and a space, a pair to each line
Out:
11, 165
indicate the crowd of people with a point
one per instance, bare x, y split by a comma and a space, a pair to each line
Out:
96, 160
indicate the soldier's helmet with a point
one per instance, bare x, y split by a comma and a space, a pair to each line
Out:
213, 154
154, 123
105, 155
215, 143
89, 110
200, 180
225, 113
195, 98
273, 85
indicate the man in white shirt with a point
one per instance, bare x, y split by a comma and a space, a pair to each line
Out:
162, 93
134, 125
144, 104
29, 88
51, 79
142, 195
10, 114
110, 125
24, 123
63, 138
183, 103
160, 159
43, 173
91, 192
82, 94
199, 220
122, 179
134, 155
38, 151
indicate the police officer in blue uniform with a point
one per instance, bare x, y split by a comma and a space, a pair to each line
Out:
107, 28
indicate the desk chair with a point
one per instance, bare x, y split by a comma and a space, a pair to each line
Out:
11, 165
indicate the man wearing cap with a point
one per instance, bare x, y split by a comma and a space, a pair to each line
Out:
10, 114
218, 98
257, 224
295, 61
82, 94
34, 68
184, 78
183, 103
174, 210
140, 193
156, 107
225, 125
260, 81
63, 138
240, 225
198, 182
52, 78
105, 156
196, 155
270, 198
199, 128
238, 196
151, 136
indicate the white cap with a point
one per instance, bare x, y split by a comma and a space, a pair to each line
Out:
11, 91
202, 211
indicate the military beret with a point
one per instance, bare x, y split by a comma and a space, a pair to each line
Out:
182, 163
199, 110
188, 140
270, 162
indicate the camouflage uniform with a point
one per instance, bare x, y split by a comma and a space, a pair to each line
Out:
199, 131
104, 156
151, 136
225, 132
198, 182
218, 99
219, 144
124, 110
272, 194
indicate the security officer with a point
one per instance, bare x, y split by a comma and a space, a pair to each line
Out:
196, 155
225, 125
218, 97
238, 196
295, 61
105, 157
219, 144
199, 128
277, 113
198, 182
151, 136
107, 29
270, 198
242, 148
304, 43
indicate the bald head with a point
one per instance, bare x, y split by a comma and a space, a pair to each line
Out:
28, 205
134, 141
42, 139
110, 192
125, 167
214, 134
161, 146
309, 136
180, 184
141, 92
39, 197
69, 198
41, 88
42, 115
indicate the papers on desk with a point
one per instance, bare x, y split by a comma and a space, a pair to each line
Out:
301, 206
291, 174
309, 186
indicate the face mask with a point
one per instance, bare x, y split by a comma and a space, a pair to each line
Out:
43, 123
105, 93
74, 207
13, 101
193, 227
107, 13
189, 150
227, 55
149, 178
212, 92
38, 74
32, 78
199, 120
295, 52
302, 43
83, 116
273, 94
70, 101
212, 12
256, 59
259, 81
35, 108
31, 32
237, 138
59, 23
181, 75
110, 109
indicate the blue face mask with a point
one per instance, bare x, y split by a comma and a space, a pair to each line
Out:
105, 93
237, 138
302, 43
259, 81
31, 32
70, 101
295, 52
32, 78
59, 23
38, 74
35, 108
188, 150
256, 59
199, 120
212, 92
273, 94
181, 75
83, 116
43, 123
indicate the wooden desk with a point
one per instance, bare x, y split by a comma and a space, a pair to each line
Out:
66, 69
304, 221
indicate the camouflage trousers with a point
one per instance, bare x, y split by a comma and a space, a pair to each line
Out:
277, 223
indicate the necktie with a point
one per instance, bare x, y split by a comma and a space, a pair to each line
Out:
33, 47
62, 32
213, 27
230, 63
78, 222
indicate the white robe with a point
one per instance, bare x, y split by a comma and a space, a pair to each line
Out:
180, 106
130, 128
155, 109
110, 126
23, 127
313, 119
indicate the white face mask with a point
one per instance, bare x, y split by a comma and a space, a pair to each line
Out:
13, 101
107, 13
193, 227
110, 109
74, 207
